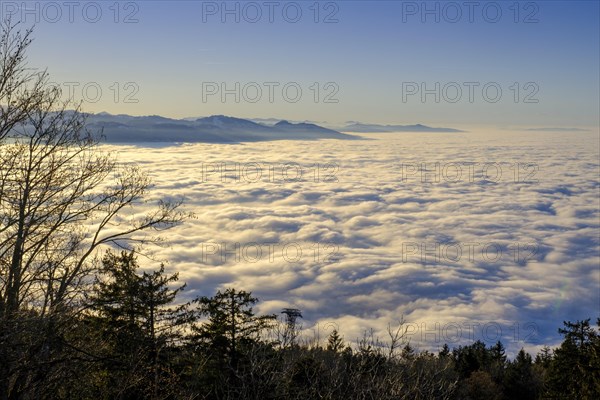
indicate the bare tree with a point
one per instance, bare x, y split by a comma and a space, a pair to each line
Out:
61, 199
20, 86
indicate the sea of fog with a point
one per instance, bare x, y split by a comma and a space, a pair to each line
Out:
463, 236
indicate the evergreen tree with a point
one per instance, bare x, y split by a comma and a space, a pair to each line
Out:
544, 357
574, 370
231, 323
521, 382
335, 343
133, 317
498, 353
445, 352
497, 362
471, 358
224, 337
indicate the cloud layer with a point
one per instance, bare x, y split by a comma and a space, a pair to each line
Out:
464, 236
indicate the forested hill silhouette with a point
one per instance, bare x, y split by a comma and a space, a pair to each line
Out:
213, 129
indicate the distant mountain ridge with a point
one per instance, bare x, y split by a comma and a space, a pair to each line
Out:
213, 129
358, 127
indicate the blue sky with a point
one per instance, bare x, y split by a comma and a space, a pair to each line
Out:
175, 58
